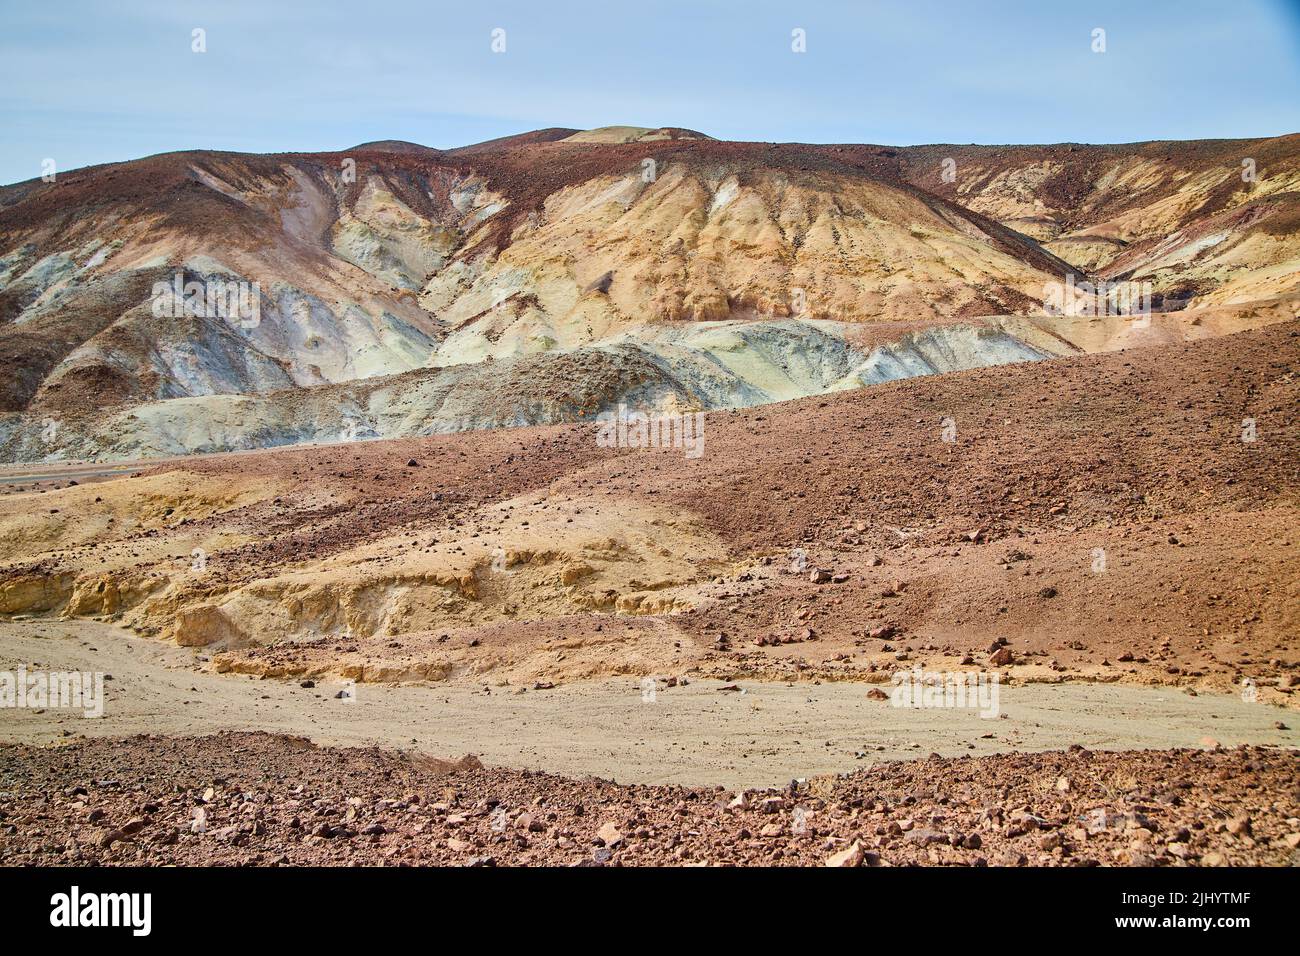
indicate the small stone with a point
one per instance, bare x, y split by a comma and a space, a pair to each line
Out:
926, 837
849, 856
610, 835
531, 823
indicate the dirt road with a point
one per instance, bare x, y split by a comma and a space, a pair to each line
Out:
762, 734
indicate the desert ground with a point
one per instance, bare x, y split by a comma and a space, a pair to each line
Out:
366, 583
651, 658
277, 800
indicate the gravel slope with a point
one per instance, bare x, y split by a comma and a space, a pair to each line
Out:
236, 799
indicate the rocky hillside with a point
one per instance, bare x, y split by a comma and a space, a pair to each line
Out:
1214, 221
819, 537
392, 289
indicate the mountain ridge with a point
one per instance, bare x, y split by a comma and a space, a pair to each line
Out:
392, 257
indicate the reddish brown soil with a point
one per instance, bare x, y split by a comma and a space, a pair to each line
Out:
944, 545
270, 800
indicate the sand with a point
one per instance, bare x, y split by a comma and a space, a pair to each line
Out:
764, 734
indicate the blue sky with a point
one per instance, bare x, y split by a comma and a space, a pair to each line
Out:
87, 82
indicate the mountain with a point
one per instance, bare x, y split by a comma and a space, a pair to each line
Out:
1185, 216
393, 289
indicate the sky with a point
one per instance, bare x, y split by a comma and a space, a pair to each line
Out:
93, 82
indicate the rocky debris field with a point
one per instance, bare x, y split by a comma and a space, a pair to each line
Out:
258, 799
